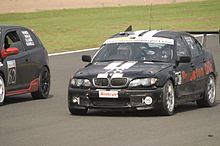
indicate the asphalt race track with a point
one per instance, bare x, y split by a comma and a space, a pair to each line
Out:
26, 122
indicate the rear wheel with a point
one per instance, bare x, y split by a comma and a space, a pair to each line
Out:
168, 99
44, 85
75, 111
2, 90
210, 93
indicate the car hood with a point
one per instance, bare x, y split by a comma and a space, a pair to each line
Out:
130, 69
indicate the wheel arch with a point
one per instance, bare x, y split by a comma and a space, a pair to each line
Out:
214, 74
3, 76
46, 67
172, 80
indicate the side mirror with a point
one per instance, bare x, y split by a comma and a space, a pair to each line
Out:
86, 58
9, 52
184, 59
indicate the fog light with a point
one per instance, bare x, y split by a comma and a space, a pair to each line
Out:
76, 100
147, 100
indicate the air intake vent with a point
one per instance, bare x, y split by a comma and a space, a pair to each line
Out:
101, 82
118, 82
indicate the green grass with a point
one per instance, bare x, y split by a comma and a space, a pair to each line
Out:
73, 29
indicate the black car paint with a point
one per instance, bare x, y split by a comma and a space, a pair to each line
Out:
189, 90
29, 60
140, 69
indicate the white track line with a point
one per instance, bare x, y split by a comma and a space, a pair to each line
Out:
92, 49
70, 52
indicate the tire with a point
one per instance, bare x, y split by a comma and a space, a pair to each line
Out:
209, 95
44, 85
75, 111
168, 103
2, 91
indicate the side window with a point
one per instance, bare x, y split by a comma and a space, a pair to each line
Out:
192, 45
29, 39
181, 48
199, 46
12, 40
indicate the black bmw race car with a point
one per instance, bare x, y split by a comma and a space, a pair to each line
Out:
23, 63
144, 70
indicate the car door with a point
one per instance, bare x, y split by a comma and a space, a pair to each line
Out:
34, 49
198, 60
17, 65
183, 70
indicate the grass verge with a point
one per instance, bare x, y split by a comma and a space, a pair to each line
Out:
73, 29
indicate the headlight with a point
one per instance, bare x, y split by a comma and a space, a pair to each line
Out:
80, 82
143, 82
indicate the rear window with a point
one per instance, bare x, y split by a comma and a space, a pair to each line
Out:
29, 39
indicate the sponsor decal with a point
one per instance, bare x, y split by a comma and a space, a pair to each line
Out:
156, 40
197, 73
208, 67
178, 78
116, 68
11, 72
184, 75
33, 87
28, 39
108, 94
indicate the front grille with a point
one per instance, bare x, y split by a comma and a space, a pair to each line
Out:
118, 81
111, 102
114, 82
101, 82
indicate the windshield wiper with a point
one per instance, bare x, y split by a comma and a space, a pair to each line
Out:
110, 60
153, 60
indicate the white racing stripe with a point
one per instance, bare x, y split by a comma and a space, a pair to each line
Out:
117, 75
102, 75
113, 65
126, 65
117, 68
117, 65
151, 33
138, 32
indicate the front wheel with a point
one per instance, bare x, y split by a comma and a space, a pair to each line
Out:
44, 85
2, 90
210, 93
168, 103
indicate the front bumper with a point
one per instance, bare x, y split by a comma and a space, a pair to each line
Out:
127, 99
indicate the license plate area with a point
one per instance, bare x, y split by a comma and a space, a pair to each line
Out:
108, 94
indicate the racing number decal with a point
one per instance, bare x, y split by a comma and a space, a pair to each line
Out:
11, 72
28, 39
116, 68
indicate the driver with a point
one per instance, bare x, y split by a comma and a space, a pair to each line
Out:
124, 51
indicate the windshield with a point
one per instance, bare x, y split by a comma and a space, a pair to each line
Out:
152, 52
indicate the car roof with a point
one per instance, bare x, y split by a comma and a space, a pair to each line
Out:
150, 33
165, 36
5, 26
